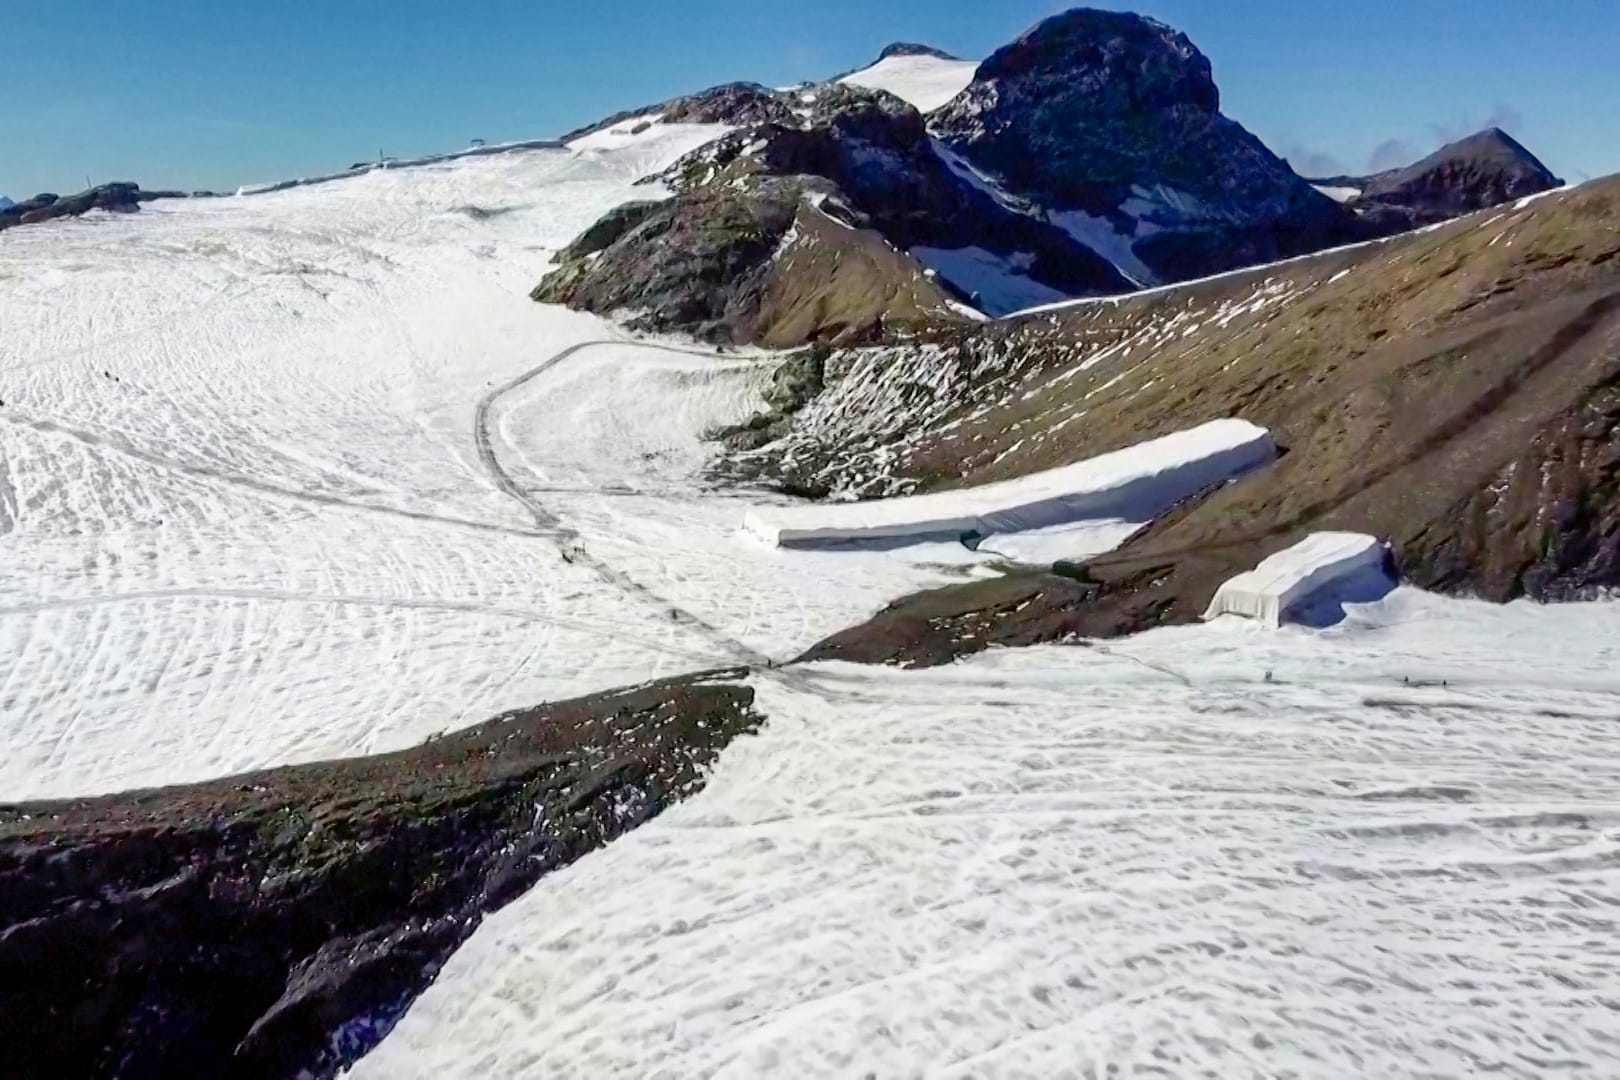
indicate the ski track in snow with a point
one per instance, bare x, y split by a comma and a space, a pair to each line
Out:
306, 475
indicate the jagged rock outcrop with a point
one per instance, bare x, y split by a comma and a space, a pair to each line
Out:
770, 263
875, 150
1484, 170
1116, 118
277, 924
119, 197
869, 180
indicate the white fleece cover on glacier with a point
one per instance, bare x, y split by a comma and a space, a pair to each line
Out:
1292, 578
1146, 477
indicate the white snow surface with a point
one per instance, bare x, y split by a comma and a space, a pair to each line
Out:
1122, 485
1300, 576
925, 82
1100, 235
1338, 194
260, 468
1001, 282
1391, 848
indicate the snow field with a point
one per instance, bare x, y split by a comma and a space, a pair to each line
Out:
1212, 850
1133, 484
245, 518
247, 510
925, 82
612, 442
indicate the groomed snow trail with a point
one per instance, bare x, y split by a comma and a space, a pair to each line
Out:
1212, 851
574, 550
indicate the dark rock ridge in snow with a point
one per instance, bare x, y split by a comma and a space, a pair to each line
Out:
1486, 169
1118, 117
733, 103
860, 166
768, 262
875, 149
117, 197
907, 48
277, 924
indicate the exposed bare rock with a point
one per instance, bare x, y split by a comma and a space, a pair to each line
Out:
854, 174
1117, 117
277, 924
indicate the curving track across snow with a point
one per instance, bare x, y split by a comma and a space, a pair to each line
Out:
549, 524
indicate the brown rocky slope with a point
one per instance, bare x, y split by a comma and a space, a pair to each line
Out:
277, 924
1456, 391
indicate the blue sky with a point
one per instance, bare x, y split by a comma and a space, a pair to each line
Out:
215, 94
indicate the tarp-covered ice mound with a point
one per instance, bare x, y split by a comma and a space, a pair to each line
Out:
1300, 577
1134, 484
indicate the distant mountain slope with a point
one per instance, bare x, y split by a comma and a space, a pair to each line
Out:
1486, 169
5, 203
1088, 157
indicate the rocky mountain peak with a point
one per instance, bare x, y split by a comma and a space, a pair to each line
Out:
1492, 150
1110, 122
1119, 59
1484, 169
907, 48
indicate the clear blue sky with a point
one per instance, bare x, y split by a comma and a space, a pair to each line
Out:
215, 93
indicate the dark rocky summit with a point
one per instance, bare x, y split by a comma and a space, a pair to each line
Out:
277, 924
1484, 170
1118, 116
1088, 157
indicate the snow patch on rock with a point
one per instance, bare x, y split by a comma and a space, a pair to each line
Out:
999, 283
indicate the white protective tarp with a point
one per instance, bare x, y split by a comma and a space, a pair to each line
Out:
1294, 578
1133, 484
